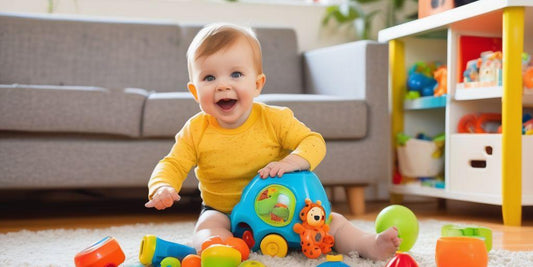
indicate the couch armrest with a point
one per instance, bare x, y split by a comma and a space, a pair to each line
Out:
357, 70
352, 70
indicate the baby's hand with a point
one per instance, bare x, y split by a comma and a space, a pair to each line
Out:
276, 168
163, 198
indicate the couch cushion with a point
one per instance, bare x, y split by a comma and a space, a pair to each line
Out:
73, 161
110, 53
333, 117
71, 109
166, 113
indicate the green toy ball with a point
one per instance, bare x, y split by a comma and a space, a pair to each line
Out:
170, 262
251, 263
404, 220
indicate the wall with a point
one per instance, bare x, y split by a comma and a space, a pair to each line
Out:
304, 18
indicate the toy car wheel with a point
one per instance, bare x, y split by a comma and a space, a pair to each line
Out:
274, 245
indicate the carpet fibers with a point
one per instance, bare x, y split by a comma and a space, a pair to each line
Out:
58, 247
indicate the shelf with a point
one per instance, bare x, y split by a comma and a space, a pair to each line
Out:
424, 191
477, 16
419, 190
427, 102
474, 93
462, 93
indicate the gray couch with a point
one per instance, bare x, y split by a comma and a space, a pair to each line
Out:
92, 102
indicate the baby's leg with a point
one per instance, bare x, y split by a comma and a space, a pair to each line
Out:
211, 223
349, 238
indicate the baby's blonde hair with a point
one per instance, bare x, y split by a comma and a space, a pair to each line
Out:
214, 37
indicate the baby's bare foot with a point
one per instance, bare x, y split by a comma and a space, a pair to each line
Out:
387, 243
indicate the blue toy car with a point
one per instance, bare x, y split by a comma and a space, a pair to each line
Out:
269, 208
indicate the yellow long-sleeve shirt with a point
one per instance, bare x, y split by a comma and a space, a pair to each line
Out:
227, 159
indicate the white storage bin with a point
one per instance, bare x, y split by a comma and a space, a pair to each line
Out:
476, 164
416, 159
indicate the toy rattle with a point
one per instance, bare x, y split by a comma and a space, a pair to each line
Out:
154, 250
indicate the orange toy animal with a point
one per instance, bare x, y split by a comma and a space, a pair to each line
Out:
442, 83
313, 230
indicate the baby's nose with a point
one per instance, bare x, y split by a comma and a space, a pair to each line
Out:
222, 86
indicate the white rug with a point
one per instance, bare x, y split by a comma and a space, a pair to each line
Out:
58, 247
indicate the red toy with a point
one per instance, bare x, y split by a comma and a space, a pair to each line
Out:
105, 252
313, 230
402, 259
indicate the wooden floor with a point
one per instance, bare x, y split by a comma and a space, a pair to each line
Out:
51, 210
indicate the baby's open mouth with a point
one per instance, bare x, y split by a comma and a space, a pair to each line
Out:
226, 103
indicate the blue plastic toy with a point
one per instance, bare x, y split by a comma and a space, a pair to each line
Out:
269, 208
333, 261
421, 83
154, 250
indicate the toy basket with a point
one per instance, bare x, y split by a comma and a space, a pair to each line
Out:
420, 158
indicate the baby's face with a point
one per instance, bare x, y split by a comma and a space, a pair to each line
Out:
226, 83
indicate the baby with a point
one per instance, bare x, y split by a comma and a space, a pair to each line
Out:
233, 138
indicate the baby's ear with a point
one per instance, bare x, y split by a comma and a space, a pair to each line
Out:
193, 91
259, 83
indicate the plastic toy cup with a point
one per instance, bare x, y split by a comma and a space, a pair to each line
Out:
106, 252
482, 233
154, 250
404, 220
461, 251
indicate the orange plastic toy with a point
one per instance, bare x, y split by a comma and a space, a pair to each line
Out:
472, 123
233, 242
191, 260
441, 75
313, 230
461, 251
105, 252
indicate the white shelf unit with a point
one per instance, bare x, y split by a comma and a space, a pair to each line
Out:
464, 180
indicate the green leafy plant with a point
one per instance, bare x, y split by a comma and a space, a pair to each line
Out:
353, 14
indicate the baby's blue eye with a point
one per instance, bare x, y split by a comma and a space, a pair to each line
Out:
236, 74
209, 78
